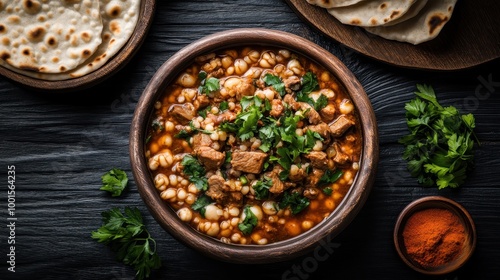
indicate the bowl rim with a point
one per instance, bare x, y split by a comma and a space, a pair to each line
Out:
433, 202
278, 251
106, 71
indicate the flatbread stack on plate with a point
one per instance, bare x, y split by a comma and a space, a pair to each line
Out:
411, 21
64, 39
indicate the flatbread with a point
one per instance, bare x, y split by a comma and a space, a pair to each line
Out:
372, 13
48, 36
412, 12
423, 27
333, 3
119, 20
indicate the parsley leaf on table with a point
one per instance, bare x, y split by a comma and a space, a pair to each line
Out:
114, 181
440, 146
126, 234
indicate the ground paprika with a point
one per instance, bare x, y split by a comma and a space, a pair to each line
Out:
434, 237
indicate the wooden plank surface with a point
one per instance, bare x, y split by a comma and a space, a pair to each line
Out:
471, 37
61, 144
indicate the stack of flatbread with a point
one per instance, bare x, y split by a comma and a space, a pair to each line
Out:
63, 39
412, 21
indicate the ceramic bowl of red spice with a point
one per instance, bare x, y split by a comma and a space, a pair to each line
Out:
435, 235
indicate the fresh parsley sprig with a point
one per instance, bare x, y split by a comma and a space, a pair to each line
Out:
440, 146
114, 181
126, 234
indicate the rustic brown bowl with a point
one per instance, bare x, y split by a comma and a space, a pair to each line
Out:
146, 14
279, 251
443, 203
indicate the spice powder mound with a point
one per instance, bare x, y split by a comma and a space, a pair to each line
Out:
434, 237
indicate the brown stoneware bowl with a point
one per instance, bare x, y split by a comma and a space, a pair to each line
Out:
111, 67
273, 252
440, 203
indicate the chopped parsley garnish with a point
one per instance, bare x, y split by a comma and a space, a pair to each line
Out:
185, 134
330, 177
128, 237
224, 105
203, 112
157, 125
195, 172
261, 188
114, 181
328, 191
440, 146
309, 84
246, 121
295, 201
208, 85
249, 222
275, 82
201, 204
296, 144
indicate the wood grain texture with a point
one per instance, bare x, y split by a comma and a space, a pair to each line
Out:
62, 144
470, 38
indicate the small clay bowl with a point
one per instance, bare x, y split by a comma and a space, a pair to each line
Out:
274, 252
441, 203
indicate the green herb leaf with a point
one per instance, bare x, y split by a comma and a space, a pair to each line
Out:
208, 85
309, 83
114, 181
328, 191
195, 172
224, 105
261, 188
126, 235
275, 82
201, 203
249, 223
440, 146
295, 201
330, 177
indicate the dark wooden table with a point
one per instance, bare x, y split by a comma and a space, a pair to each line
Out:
61, 144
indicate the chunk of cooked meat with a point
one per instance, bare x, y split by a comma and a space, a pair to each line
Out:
220, 192
311, 193
201, 140
244, 88
226, 116
311, 114
217, 188
323, 129
328, 113
249, 162
292, 82
210, 158
299, 175
288, 98
341, 125
183, 113
201, 101
276, 108
340, 157
278, 186
318, 159
314, 177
